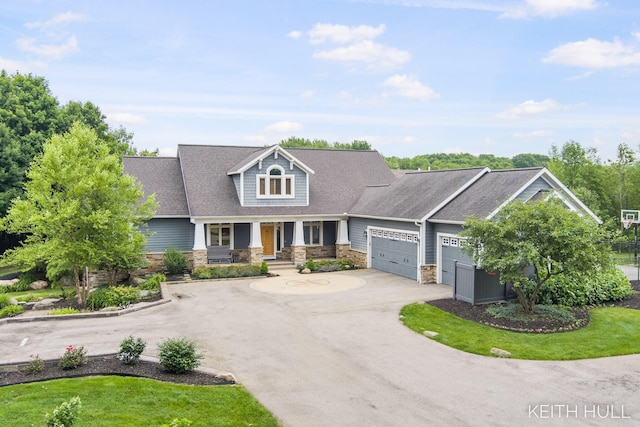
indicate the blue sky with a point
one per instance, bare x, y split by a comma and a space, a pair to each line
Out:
409, 76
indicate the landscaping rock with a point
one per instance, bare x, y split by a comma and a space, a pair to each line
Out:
430, 334
499, 352
305, 271
38, 284
8, 282
45, 303
136, 281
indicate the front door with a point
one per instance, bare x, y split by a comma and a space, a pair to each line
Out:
267, 235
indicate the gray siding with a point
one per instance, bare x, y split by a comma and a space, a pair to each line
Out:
537, 185
169, 232
250, 183
358, 226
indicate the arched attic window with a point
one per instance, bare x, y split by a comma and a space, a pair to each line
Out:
275, 183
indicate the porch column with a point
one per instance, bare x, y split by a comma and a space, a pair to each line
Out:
343, 233
199, 245
255, 244
298, 248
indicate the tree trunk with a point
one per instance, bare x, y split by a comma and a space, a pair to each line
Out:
82, 287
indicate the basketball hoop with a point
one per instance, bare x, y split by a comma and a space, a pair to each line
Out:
626, 223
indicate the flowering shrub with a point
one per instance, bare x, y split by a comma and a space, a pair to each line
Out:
73, 357
130, 350
35, 365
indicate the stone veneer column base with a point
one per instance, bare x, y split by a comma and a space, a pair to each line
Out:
356, 257
298, 254
199, 258
255, 255
429, 273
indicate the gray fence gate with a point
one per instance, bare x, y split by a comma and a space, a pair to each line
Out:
477, 286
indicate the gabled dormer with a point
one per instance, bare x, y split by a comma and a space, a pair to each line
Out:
272, 177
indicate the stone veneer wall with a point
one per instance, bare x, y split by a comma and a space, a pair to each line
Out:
320, 252
356, 257
155, 262
429, 273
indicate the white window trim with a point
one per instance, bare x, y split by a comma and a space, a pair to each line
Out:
283, 184
309, 224
225, 225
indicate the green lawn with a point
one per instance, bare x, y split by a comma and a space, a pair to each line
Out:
127, 401
611, 332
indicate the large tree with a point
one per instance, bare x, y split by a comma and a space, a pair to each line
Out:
528, 243
79, 210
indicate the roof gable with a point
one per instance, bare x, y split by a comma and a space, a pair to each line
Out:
260, 155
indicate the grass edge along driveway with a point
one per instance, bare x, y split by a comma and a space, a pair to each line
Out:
129, 401
612, 331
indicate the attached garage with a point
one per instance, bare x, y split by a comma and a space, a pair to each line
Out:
449, 252
394, 251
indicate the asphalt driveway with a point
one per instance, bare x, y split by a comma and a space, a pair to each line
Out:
344, 359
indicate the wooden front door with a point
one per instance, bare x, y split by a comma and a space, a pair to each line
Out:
267, 236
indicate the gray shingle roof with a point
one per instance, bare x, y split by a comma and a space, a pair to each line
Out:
162, 176
414, 194
486, 195
340, 177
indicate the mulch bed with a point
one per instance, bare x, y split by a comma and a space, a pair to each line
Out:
477, 313
109, 365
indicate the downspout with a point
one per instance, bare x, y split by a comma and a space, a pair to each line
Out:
421, 247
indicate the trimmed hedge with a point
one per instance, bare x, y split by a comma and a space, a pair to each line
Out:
227, 271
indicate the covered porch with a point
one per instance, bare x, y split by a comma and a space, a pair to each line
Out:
287, 239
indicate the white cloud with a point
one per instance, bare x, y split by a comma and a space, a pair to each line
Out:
529, 108
410, 87
49, 51
593, 53
343, 34
61, 18
295, 34
307, 94
532, 135
373, 56
11, 66
284, 127
550, 8
126, 118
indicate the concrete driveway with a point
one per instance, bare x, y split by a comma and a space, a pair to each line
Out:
344, 359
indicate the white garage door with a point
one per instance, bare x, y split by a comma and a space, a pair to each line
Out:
395, 252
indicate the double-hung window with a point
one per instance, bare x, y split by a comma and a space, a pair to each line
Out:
219, 235
312, 233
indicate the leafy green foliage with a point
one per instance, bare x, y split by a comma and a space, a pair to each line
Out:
264, 268
72, 358
178, 355
514, 311
175, 261
295, 142
327, 265
5, 300
595, 287
79, 210
66, 414
153, 283
113, 296
543, 235
11, 310
227, 271
130, 350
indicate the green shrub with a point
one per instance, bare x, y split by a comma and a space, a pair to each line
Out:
64, 415
228, 271
175, 261
178, 355
5, 300
576, 291
264, 268
72, 358
130, 350
153, 283
25, 280
113, 296
35, 365
11, 310
65, 310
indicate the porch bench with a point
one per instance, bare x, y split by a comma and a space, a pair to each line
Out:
219, 254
